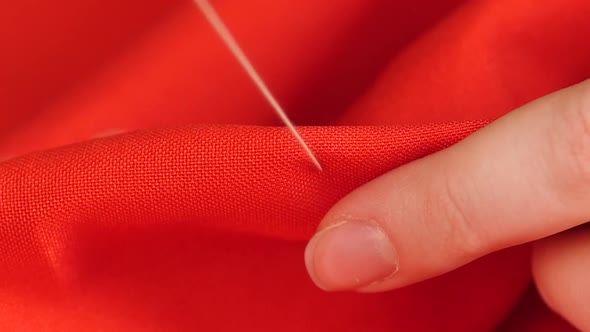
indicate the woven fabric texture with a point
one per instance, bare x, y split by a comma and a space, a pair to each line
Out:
195, 214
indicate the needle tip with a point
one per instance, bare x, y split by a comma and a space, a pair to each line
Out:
310, 153
317, 163
304, 145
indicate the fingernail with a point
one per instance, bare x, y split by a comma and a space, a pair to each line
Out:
350, 255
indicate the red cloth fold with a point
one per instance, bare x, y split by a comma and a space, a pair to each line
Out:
129, 217
203, 227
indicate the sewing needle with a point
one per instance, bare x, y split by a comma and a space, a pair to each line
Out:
223, 32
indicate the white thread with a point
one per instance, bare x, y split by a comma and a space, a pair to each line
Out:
239, 54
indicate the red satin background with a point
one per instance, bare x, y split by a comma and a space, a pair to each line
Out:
203, 228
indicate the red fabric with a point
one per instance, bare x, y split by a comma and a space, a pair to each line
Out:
186, 223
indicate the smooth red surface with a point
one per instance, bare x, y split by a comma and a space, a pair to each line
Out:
187, 225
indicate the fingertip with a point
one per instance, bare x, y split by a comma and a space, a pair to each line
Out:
350, 255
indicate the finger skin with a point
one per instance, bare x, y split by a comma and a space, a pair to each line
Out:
524, 177
561, 268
